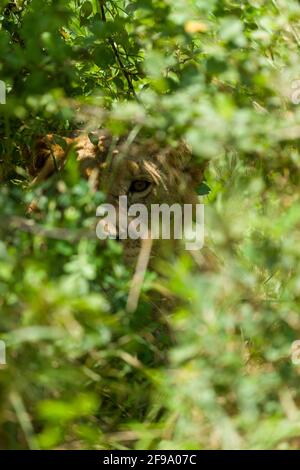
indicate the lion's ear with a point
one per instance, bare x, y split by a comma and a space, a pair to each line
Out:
188, 164
37, 154
48, 156
195, 170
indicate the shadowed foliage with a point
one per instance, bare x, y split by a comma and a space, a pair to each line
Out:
207, 360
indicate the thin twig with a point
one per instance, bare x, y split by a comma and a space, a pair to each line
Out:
118, 56
11, 223
24, 419
139, 275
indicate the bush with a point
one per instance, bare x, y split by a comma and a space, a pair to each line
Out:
215, 370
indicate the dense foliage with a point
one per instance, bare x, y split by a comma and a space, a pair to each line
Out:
214, 369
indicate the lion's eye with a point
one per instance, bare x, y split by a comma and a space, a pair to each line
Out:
139, 186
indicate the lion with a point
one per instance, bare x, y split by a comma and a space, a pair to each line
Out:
140, 168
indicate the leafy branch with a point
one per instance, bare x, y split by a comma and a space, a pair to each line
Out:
117, 54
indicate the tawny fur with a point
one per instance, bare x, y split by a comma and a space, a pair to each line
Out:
112, 164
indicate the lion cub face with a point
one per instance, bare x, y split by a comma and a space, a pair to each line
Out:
148, 174
145, 172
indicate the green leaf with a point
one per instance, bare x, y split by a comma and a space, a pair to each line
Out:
203, 189
86, 9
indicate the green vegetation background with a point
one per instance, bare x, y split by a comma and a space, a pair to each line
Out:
81, 372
